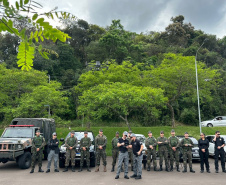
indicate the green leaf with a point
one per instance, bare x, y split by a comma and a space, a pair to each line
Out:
31, 36
26, 1
35, 16
36, 33
6, 3
17, 5
40, 20
40, 47
42, 39
21, 3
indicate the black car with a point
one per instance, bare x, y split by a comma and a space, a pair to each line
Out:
79, 135
195, 149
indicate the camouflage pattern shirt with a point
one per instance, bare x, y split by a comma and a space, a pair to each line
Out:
150, 141
186, 141
71, 142
38, 142
85, 142
173, 142
114, 143
101, 141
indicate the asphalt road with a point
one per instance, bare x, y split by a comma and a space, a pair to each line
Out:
10, 174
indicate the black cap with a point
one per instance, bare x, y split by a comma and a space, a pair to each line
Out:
72, 131
161, 132
85, 132
117, 132
172, 130
186, 133
130, 132
101, 130
149, 132
37, 131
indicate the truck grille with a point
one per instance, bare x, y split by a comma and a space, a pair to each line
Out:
5, 147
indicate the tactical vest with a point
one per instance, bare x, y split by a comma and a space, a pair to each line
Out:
186, 141
114, 143
71, 141
85, 142
101, 140
173, 141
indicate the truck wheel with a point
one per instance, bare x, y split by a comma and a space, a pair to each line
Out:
209, 125
61, 164
24, 160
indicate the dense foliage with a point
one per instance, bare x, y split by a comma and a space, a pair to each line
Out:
147, 78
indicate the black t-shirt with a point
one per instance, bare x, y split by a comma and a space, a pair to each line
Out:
123, 148
136, 146
203, 144
219, 142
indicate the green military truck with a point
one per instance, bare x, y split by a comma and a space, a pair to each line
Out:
15, 142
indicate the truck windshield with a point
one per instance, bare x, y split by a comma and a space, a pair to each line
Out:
18, 133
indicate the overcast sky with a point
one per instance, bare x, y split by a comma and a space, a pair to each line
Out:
147, 15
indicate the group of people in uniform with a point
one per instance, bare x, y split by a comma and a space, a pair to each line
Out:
128, 147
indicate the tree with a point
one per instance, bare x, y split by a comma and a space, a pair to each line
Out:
176, 76
43, 30
120, 99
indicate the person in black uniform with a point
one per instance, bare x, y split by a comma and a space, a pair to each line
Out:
203, 145
219, 150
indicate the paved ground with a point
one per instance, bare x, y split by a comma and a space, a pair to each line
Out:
10, 174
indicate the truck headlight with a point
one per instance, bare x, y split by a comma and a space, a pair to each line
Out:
19, 146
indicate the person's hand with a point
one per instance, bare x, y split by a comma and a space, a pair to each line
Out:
139, 152
100, 147
37, 149
56, 142
122, 144
159, 142
203, 150
150, 146
219, 147
186, 145
84, 148
174, 149
130, 146
70, 148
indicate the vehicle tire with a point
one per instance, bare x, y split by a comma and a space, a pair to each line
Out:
24, 161
209, 125
61, 164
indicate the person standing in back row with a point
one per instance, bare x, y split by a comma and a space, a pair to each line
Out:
174, 150
163, 150
115, 150
203, 145
101, 142
53, 152
38, 143
70, 144
187, 144
130, 150
150, 144
219, 151
85, 144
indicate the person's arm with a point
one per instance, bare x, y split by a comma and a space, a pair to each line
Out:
169, 142
155, 142
191, 143
55, 144
76, 142
33, 144
67, 146
112, 143
223, 142
159, 142
81, 143
146, 143
43, 143
208, 144
166, 142
199, 144
178, 143
105, 143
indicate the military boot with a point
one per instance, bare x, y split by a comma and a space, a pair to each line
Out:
185, 170
80, 169
171, 168
66, 169
47, 171
88, 169
105, 169
155, 168
167, 169
113, 168
191, 170
73, 169
32, 170
149, 168
160, 169
40, 170
97, 169
178, 168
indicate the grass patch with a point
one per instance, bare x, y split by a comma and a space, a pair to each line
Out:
110, 131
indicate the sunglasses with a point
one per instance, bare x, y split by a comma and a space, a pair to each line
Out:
218, 134
54, 135
201, 135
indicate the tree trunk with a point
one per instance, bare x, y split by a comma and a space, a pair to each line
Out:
172, 114
126, 120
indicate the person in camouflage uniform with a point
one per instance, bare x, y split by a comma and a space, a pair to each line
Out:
163, 150
38, 143
70, 144
174, 144
85, 144
115, 150
187, 144
130, 150
100, 143
150, 144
